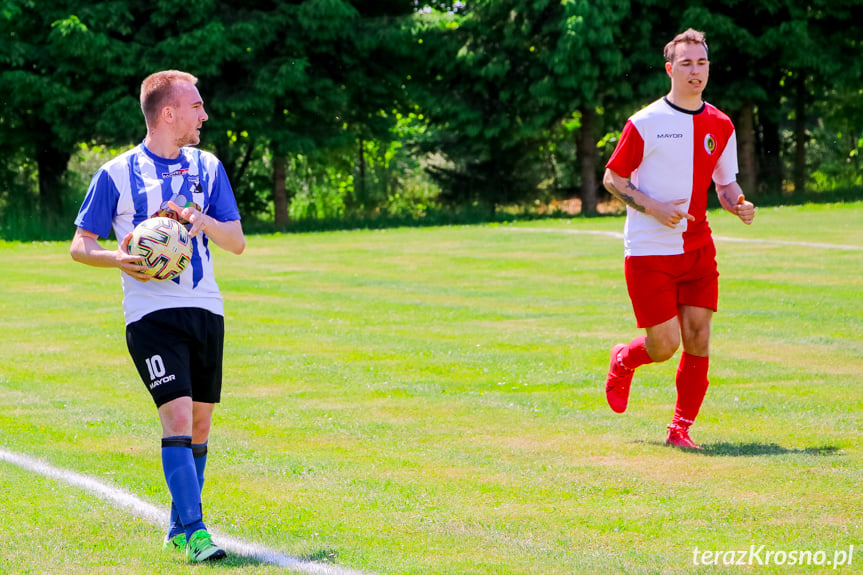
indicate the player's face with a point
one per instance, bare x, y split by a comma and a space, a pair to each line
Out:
689, 70
188, 114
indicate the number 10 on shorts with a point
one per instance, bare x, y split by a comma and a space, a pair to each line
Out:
156, 367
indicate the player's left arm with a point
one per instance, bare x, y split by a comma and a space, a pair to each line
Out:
227, 235
733, 201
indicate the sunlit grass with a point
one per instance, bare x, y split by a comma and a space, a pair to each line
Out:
430, 401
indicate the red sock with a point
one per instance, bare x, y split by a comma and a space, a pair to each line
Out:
635, 354
691, 388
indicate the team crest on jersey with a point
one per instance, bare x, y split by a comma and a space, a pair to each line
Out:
709, 144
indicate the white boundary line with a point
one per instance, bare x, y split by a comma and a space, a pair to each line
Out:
144, 510
619, 235
789, 243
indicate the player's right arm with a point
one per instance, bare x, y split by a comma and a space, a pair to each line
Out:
667, 213
86, 249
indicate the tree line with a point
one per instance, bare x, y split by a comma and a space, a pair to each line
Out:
354, 107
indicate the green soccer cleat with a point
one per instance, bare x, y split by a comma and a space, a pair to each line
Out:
175, 543
201, 548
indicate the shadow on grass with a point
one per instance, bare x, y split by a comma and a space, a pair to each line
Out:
323, 557
726, 449
756, 449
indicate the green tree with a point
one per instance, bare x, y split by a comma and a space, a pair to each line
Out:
472, 77
778, 61
821, 52
507, 83
51, 63
511, 98
315, 78
593, 64
70, 72
285, 77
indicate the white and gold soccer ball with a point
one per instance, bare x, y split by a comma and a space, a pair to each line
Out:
165, 245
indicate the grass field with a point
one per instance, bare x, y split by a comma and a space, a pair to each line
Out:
430, 401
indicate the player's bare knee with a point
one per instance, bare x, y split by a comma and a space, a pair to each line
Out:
697, 341
664, 353
662, 350
176, 420
201, 431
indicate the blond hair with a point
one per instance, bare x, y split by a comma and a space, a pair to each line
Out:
689, 36
157, 91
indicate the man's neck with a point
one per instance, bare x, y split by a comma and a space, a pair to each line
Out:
691, 103
161, 148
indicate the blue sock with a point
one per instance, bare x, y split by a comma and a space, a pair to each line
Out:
181, 476
199, 453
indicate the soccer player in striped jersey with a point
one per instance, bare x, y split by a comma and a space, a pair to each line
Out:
174, 328
662, 168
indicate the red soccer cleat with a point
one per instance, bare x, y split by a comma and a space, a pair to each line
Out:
618, 382
678, 436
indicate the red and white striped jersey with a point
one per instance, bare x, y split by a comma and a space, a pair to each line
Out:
673, 154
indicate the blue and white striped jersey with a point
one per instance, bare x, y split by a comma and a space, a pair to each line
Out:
137, 185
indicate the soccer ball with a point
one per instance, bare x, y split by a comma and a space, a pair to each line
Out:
165, 245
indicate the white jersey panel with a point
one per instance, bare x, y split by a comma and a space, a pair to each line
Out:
667, 137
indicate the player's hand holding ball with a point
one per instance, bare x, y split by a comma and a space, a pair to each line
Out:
131, 264
191, 215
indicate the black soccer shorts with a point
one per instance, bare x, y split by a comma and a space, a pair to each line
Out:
178, 353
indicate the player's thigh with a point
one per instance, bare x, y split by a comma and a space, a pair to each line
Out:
202, 419
652, 287
698, 285
161, 355
207, 356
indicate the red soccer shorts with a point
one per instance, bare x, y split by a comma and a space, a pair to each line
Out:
657, 285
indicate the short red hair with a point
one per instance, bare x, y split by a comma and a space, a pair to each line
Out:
157, 91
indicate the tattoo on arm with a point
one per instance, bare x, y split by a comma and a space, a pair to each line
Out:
730, 196
627, 199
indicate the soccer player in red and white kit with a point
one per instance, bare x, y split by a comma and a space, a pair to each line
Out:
662, 168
